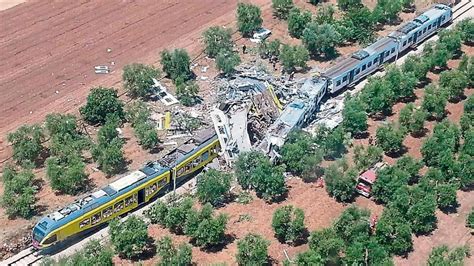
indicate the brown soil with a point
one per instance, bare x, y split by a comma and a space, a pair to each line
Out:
320, 212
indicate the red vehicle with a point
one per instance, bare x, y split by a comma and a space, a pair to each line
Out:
367, 179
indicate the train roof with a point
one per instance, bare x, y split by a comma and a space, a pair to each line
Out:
380, 46
342, 67
126, 183
429, 15
356, 58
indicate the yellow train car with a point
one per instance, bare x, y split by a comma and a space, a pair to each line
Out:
128, 192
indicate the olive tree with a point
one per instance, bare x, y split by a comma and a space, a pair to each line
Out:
138, 79
213, 186
321, 39
176, 64
434, 102
366, 157
348, 4
252, 250
27, 143
390, 138
297, 22
66, 173
187, 92
226, 61
293, 56
170, 255
288, 224
217, 39
453, 82
18, 197
129, 237
102, 102
281, 8
340, 181
442, 255
394, 232
354, 117
248, 18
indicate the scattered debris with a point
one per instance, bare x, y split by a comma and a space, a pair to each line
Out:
163, 95
101, 69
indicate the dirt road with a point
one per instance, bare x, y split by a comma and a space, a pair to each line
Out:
48, 49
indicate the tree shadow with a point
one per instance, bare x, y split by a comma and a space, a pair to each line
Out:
397, 154
40, 209
420, 134
149, 251
362, 135
228, 239
42, 157
450, 209
457, 99
408, 99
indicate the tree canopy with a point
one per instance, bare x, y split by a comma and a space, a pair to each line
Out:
248, 18
297, 21
102, 102
176, 64
18, 197
129, 237
252, 250
170, 255
340, 181
213, 186
27, 143
293, 56
354, 117
321, 39
138, 79
281, 8
217, 39
390, 138
226, 61
288, 224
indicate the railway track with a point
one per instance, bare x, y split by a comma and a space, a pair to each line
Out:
26, 257
462, 9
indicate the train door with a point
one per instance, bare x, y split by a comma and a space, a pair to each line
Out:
382, 55
415, 37
438, 23
141, 196
351, 76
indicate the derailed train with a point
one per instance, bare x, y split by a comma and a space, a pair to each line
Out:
143, 185
351, 70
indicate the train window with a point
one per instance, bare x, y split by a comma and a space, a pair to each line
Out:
404, 43
344, 79
424, 30
364, 67
429, 27
410, 39
442, 17
393, 50
369, 64
162, 182
128, 201
375, 61
86, 222
118, 206
387, 53
107, 212
357, 71
96, 218
338, 83
180, 171
50, 240
205, 156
